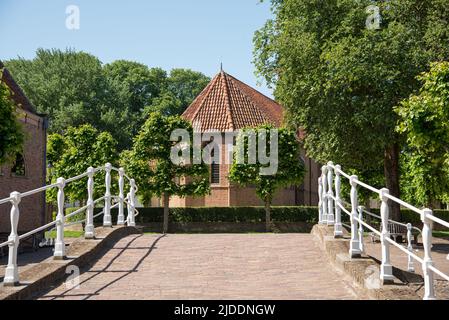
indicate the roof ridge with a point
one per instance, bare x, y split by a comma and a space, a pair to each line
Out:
228, 100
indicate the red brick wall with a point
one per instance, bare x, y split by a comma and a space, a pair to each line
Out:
32, 208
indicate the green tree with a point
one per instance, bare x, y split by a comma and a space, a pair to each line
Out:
424, 119
340, 80
156, 174
11, 134
290, 168
75, 151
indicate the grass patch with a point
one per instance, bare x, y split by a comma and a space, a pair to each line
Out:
440, 234
67, 234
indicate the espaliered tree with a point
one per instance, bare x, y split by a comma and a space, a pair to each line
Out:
424, 119
75, 151
340, 74
289, 167
151, 164
11, 134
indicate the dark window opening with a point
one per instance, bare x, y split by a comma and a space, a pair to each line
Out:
214, 170
19, 166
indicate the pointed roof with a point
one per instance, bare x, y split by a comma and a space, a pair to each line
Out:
227, 104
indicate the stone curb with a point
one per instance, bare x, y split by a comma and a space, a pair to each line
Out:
50, 272
360, 269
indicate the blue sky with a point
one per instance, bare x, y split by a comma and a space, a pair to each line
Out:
195, 34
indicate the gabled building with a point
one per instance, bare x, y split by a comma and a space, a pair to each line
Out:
28, 170
227, 105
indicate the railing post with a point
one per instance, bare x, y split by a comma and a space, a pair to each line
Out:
429, 290
59, 253
107, 220
411, 264
121, 182
89, 229
324, 197
330, 200
354, 247
338, 229
320, 201
386, 270
12, 272
131, 206
361, 245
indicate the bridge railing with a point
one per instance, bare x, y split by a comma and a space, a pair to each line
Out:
11, 277
331, 204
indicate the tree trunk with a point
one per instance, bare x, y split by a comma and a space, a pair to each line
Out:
166, 211
391, 171
267, 215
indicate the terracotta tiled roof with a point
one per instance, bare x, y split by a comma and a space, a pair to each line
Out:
17, 94
228, 104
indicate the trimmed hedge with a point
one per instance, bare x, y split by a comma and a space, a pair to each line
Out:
223, 214
249, 214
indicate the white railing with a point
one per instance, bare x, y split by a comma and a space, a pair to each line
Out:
12, 273
331, 204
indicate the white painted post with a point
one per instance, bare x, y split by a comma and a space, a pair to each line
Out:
338, 229
361, 245
411, 266
12, 271
324, 198
107, 221
354, 246
386, 270
320, 201
330, 200
59, 253
429, 290
132, 204
89, 229
121, 182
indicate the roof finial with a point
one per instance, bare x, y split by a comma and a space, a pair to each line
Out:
221, 66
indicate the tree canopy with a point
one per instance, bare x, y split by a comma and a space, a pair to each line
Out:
340, 80
75, 88
149, 162
289, 166
11, 134
75, 151
424, 119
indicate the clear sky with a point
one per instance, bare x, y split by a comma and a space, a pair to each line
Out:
195, 34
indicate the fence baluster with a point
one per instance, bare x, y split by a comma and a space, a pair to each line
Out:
89, 232
107, 221
429, 290
324, 197
361, 244
121, 215
354, 247
330, 200
411, 264
320, 201
132, 204
338, 229
59, 253
386, 270
12, 272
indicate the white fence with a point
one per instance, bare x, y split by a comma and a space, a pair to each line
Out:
12, 274
331, 205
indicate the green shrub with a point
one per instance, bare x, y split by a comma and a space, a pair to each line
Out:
77, 217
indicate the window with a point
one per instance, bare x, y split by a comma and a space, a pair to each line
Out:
214, 170
19, 166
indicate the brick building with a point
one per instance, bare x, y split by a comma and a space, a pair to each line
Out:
28, 170
227, 105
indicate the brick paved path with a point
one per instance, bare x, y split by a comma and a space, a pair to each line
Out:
211, 266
